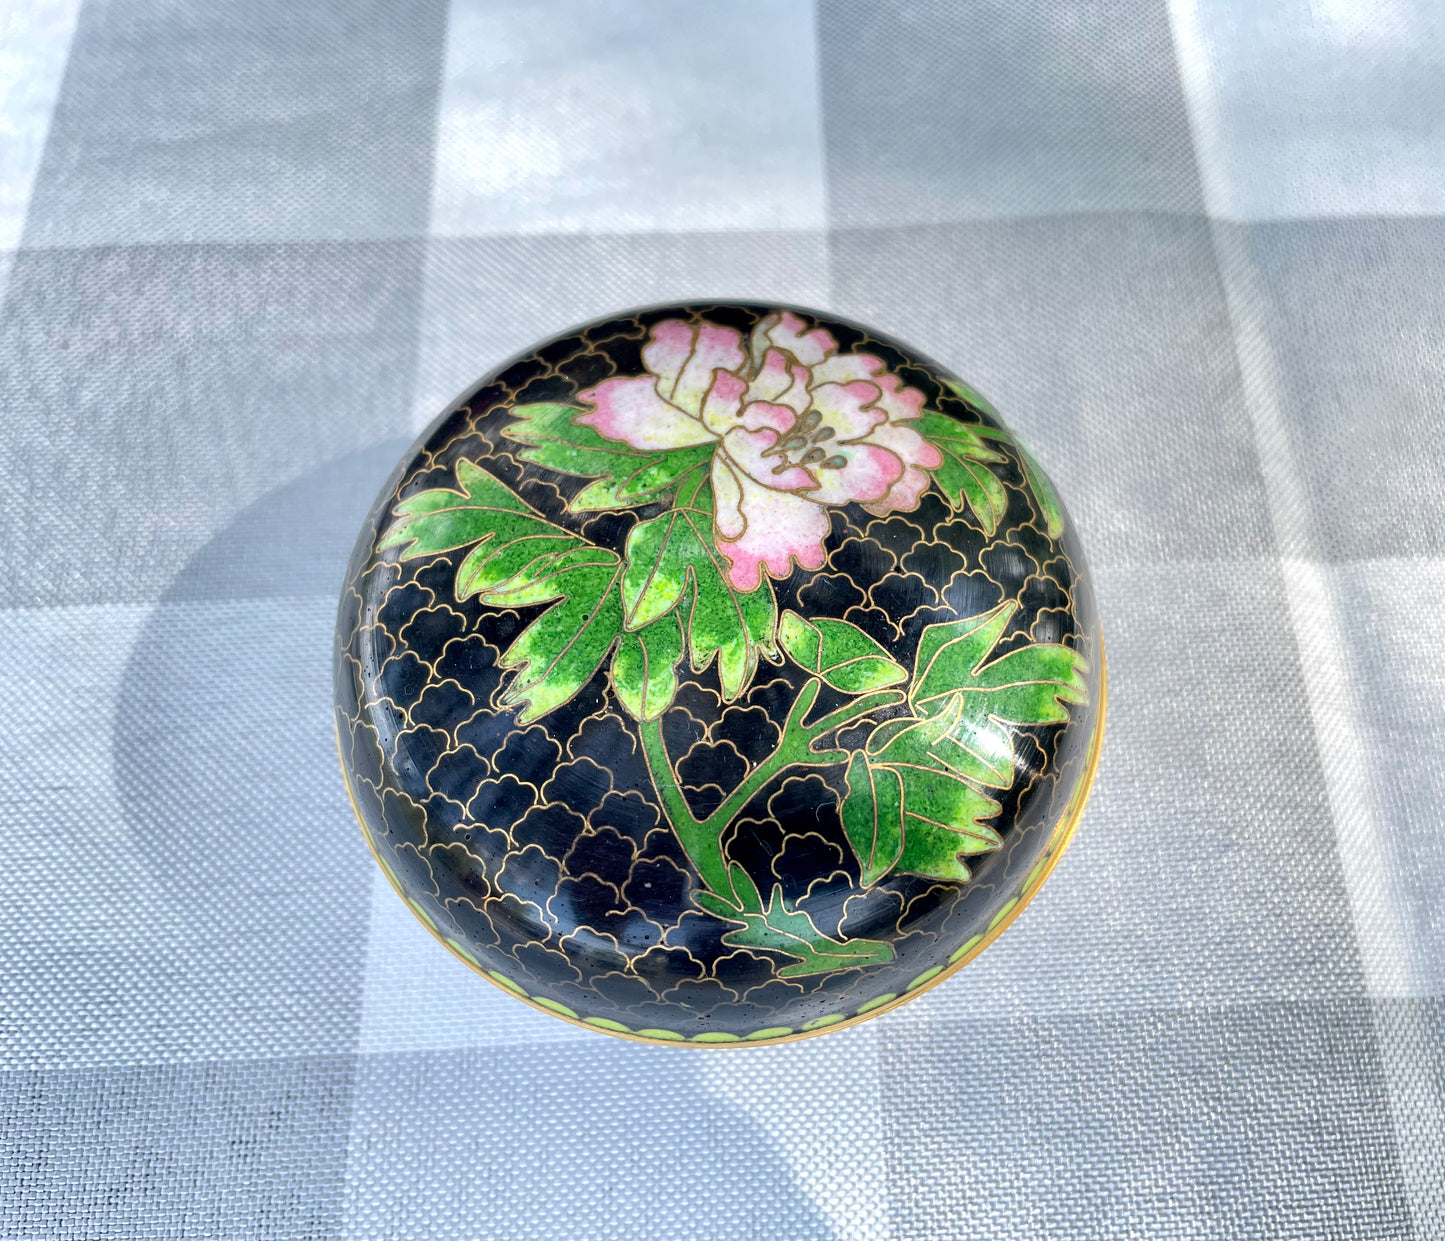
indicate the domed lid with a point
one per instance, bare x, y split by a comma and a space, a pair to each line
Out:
718, 673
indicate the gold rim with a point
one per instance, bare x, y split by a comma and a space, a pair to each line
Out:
1033, 882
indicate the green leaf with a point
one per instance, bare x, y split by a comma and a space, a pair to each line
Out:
839, 653
493, 564
957, 745
625, 476
941, 815
1029, 685
672, 557
932, 743
644, 668
484, 510
560, 651
1046, 499
791, 932
934, 800
936, 853
521, 560
873, 816
964, 475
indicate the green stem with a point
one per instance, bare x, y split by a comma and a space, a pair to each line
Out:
701, 840
697, 842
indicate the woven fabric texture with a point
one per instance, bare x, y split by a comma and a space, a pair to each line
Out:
1194, 250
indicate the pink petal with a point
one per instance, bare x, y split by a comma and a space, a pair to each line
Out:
849, 409
904, 495
784, 330
778, 528
869, 473
844, 368
809, 348
918, 457
747, 449
780, 381
759, 414
631, 411
710, 348
912, 448
900, 401
667, 352
896, 399
723, 403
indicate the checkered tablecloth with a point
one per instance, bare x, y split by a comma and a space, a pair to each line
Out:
1193, 250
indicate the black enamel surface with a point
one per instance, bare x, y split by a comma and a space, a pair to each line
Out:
542, 850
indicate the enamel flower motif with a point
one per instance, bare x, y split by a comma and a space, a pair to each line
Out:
799, 427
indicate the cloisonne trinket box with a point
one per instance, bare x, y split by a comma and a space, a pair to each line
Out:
718, 674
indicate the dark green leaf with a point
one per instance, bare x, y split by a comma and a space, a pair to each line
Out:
839, 653
644, 669
873, 816
625, 476
674, 552
791, 932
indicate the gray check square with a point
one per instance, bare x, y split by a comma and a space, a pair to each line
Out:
970, 111
1250, 1120
1106, 343
165, 389
236, 1150
1351, 316
183, 122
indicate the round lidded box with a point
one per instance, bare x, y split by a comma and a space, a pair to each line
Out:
718, 673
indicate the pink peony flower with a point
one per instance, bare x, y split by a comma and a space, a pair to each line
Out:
798, 426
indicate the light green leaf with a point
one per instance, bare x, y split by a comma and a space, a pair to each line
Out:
644, 668
625, 476
932, 743
553, 440
1046, 499
956, 746
521, 560
483, 510
491, 565
1029, 685
673, 557
791, 932
839, 653
964, 475
661, 557
873, 816
937, 853
939, 801
560, 651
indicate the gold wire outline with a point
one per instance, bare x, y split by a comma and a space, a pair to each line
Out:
1063, 837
